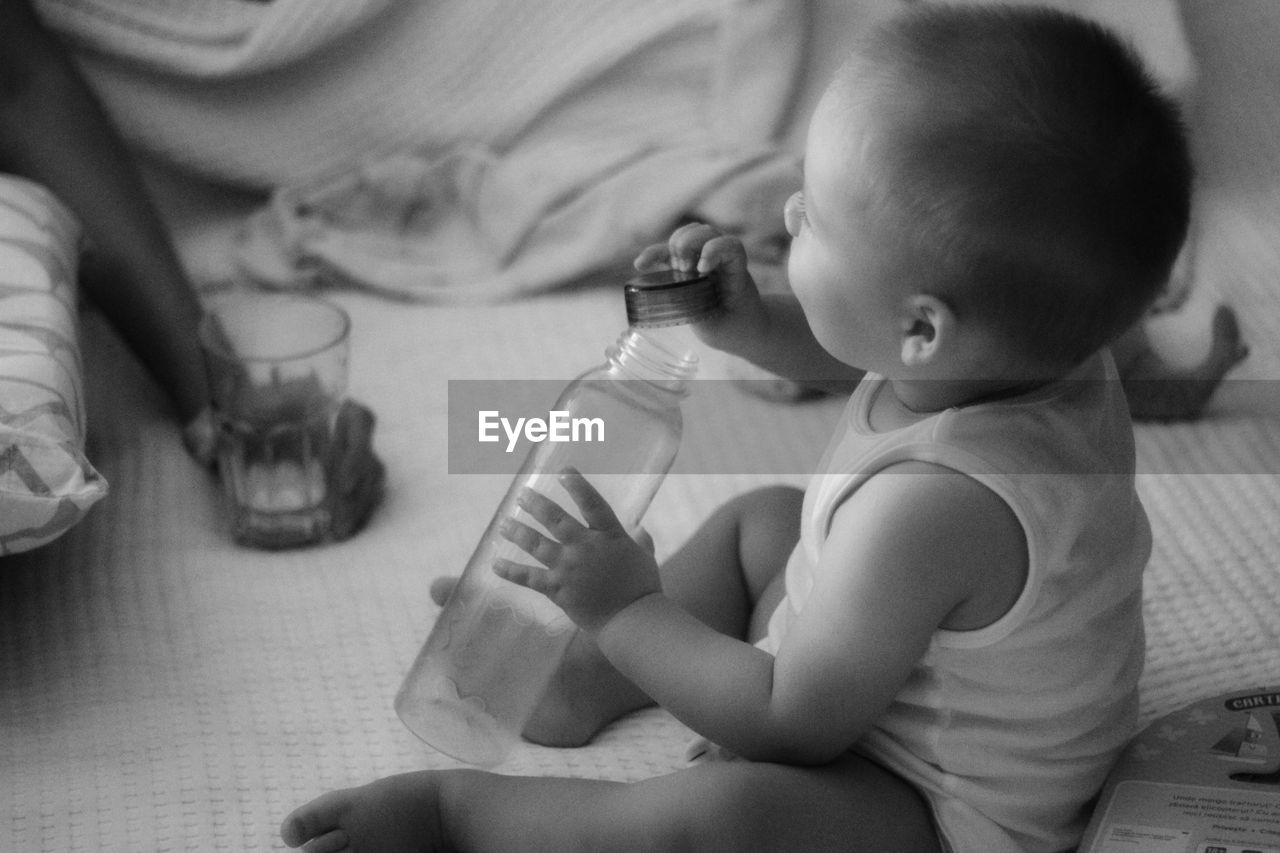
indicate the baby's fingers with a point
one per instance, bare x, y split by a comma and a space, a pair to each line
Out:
695, 245
653, 258
543, 549
550, 514
595, 509
686, 245
530, 577
726, 254
680, 252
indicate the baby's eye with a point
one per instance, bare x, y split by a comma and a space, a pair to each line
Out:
793, 215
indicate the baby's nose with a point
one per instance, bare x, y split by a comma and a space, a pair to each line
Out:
793, 213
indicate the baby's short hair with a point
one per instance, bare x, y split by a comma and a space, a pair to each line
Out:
1043, 179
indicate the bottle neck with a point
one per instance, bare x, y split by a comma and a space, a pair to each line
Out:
664, 355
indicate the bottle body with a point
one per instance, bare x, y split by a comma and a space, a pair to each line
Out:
496, 645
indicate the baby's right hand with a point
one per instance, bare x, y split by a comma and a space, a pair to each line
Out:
700, 247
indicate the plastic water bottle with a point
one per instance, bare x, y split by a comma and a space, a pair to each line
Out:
496, 645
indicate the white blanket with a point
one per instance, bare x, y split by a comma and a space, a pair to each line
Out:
481, 150
470, 150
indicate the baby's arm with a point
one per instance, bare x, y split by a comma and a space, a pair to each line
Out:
768, 330
913, 548
53, 131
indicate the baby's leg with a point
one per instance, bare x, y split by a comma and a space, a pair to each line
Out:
722, 575
851, 804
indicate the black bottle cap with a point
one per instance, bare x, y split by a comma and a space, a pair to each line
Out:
669, 298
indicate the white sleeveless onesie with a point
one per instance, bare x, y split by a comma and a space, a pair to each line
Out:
1009, 730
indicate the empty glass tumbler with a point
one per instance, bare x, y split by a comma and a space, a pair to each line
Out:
277, 368
496, 645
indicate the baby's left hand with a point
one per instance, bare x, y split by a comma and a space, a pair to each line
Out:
593, 571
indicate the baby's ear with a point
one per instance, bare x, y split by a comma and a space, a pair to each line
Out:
928, 324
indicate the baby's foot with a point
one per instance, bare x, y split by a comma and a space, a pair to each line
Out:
585, 695
398, 813
1160, 392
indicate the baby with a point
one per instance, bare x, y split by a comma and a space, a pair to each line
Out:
937, 646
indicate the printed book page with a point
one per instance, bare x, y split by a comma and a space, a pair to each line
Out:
1205, 779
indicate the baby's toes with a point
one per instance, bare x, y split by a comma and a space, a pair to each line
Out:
333, 841
314, 827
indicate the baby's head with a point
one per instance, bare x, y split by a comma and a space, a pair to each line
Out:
1016, 164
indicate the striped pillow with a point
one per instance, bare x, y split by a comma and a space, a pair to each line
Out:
46, 483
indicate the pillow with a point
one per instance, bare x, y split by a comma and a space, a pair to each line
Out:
46, 483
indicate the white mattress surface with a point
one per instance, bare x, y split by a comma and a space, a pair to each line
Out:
163, 689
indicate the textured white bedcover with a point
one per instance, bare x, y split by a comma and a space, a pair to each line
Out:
162, 689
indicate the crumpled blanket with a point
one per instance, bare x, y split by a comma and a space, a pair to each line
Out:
453, 150
468, 224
